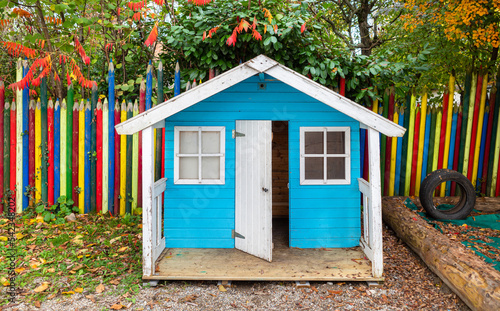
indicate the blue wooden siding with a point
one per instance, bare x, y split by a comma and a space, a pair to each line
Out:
320, 216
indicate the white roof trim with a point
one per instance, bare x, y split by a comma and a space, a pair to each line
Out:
255, 66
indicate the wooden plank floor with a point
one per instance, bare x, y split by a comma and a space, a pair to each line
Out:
289, 264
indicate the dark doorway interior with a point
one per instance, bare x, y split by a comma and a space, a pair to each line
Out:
280, 183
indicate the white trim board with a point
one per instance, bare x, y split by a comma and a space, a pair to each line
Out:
260, 64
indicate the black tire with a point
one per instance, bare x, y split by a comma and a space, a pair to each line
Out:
460, 210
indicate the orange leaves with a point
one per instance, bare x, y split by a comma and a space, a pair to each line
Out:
41, 43
152, 35
16, 49
256, 35
199, 2
159, 2
21, 13
303, 28
79, 76
136, 6
268, 15
4, 22
44, 63
81, 51
53, 20
243, 25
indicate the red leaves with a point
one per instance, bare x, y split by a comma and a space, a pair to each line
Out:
63, 59
79, 76
16, 49
152, 35
199, 2
44, 63
53, 20
41, 43
232, 39
81, 51
108, 47
137, 16
212, 31
159, 2
303, 28
256, 35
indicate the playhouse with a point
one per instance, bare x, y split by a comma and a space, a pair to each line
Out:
262, 169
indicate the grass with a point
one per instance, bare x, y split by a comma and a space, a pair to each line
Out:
64, 258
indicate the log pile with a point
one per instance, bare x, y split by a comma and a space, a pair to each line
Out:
474, 281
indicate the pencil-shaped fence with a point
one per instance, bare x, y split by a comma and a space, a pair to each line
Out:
64, 148
462, 135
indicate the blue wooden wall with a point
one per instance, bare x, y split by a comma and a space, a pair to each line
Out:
203, 215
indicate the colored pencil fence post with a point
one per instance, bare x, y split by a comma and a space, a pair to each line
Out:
105, 156
2, 106
57, 150
87, 156
43, 134
442, 136
452, 145
469, 123
494, 180
19, 141
439, 118
128, 192
81, 157
135, 161
479, 131
69, 142
421, 142
64, 154
74, 159
457, 147
116, 177
431, 140
13, 147
404, 153
465, 117
93, 149
50, 157
415, 152
6, 146
111, 138
98, 199
487, 149
475, 121
480, 161
425, 154
142, 107
399, 150
409, 157
491, 160
25, 138
451, 94
123, 162
31, 160
38, 151
383, 141
394, 145
389, 140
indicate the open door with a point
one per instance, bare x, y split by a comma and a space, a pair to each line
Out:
253, 183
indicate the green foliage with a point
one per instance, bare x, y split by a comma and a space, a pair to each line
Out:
56, 212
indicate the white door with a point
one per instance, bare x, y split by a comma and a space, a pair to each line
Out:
253, 182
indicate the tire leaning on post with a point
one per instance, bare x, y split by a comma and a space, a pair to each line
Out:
467, 197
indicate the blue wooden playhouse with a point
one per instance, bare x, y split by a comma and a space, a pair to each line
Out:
262, 182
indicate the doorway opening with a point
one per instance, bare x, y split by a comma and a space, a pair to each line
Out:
280, 200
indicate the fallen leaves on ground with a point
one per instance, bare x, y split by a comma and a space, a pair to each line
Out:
42, 287
189, 298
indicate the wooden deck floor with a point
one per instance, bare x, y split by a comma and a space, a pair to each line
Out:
289, 264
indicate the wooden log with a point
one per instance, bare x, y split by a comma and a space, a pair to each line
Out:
475, 282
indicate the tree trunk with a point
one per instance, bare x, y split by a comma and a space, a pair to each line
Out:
474, 281
364, 30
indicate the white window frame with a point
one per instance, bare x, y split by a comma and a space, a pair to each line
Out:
199, 155
325, 156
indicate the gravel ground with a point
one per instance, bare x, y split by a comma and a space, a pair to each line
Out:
409, 285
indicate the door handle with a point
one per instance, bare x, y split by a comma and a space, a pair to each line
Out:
265, 189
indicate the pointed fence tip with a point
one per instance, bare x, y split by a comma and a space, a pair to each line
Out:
177, 67
160, 66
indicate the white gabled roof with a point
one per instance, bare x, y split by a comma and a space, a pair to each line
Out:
260, 64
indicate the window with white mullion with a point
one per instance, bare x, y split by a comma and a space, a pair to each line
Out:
324, 155
199, 155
